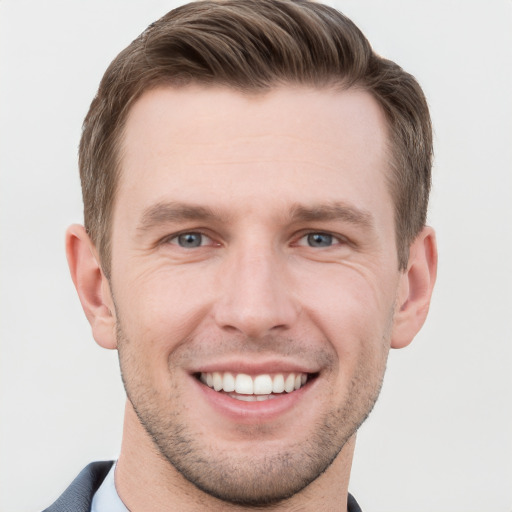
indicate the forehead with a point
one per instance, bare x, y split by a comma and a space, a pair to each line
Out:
308, 144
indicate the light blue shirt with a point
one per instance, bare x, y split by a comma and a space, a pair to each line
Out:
106, 498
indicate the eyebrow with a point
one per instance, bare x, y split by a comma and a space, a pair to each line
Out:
163, 213
333, 211
168, 212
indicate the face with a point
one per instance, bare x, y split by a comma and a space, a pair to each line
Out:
255, 278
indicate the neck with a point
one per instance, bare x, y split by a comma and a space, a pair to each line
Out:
146, 481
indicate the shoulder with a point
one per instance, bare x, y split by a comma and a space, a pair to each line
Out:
78, 496
352, 505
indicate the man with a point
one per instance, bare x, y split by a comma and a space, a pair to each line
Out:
255, 184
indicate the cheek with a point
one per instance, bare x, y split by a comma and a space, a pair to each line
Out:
352, 307
160, 310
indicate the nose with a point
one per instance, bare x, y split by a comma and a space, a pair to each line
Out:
256, 293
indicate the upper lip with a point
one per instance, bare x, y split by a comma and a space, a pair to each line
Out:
255, 367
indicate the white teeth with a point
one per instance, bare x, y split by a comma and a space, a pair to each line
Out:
245, 398
228, 383
244, 384
260, 387
278, 383
252, 398
263, 385
217, 381
289, 383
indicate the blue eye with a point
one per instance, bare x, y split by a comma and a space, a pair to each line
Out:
190, 240
319, 240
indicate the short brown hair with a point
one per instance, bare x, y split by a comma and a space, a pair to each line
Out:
252, 46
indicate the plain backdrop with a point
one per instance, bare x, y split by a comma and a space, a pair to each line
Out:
440, 438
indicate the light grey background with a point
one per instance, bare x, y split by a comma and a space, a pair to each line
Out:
440, 438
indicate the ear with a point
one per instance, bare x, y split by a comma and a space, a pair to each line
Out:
415, 289
92, 286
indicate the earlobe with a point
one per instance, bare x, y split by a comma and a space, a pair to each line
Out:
92, 286
415, 289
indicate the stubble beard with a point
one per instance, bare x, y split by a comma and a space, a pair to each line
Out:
238, 478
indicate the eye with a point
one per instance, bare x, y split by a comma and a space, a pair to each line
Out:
318, 240
190, 240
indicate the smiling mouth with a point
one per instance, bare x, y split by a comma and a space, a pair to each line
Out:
257, 388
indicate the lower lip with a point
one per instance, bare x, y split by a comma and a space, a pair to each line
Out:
247, 412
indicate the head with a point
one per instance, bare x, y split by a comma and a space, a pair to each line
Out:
253, 48
255, 184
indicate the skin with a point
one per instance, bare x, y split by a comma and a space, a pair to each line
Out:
254, 175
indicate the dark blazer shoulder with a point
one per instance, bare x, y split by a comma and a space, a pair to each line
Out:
78, 496
352, 505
